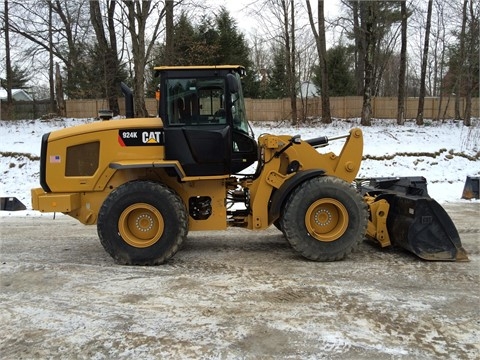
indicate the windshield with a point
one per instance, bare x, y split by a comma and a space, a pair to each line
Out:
238, 108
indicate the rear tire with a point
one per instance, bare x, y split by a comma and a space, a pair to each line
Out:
324, 219
142, 223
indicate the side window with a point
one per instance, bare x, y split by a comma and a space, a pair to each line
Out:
196, 101
238, 109
180, 93
212, 104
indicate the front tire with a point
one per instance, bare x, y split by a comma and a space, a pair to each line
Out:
142, 223
324, 219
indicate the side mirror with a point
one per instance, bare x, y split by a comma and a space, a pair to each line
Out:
232, 83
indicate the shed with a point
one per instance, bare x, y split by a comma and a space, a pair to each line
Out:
17, 95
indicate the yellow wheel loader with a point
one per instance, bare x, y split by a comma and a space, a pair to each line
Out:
147, 182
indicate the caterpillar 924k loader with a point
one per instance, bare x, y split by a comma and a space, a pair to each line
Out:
147, 182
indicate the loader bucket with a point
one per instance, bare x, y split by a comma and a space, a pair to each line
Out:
11, 204
471, 189
421, 226
415, 221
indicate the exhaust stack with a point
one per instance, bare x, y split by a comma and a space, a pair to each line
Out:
129, 111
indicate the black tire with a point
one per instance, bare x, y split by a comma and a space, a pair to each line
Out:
324, 219
278, 224
142, 223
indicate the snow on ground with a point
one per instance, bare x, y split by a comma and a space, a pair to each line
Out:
445, 153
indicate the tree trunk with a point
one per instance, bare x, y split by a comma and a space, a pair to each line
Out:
74, 59
7, 56
114, 62
169, 48
138, 15
369, 28
59, 91
471, 59
293, 76
135, 11
51, 79
322, 57
403, 67
421, 97
108, 48
289, 33
326, 116
359, 47
458, 87
442, 65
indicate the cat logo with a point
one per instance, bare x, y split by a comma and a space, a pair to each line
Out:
141, 137
151, 137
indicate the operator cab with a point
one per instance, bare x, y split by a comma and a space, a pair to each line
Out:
205, 125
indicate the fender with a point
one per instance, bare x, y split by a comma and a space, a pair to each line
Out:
279, 196
138, 164
43, 163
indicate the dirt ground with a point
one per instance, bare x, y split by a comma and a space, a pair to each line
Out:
232, 295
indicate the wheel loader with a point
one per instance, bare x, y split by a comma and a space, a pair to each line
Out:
147, 182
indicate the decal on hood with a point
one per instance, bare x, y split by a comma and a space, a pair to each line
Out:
141, 137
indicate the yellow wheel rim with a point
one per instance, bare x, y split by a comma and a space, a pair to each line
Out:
326, 219
141, 225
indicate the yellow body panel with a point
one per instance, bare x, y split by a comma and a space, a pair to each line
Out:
58, 202
99, 126
111, 150
213, 188
82, 196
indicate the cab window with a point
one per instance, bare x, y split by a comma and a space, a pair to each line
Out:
196, 101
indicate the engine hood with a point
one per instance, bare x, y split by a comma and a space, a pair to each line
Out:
99, 126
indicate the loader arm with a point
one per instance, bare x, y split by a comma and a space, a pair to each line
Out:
287, 158
377, 224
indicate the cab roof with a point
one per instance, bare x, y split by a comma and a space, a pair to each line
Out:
201, 67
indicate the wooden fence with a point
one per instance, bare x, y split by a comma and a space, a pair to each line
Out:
279, 109
351, 107
24, 109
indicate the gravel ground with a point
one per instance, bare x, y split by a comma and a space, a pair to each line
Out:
233, 294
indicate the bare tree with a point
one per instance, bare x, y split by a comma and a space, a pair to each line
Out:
403, 67
280, 27
368, 26
371, 27
321, 43
421, 97
472, 59
69, 28
107, 49
291, 52
73, 18
139, 15
460, 62
51, 80
262, 61
440, 46
359, 47
7, 55
59, 91
169, 44
307, 60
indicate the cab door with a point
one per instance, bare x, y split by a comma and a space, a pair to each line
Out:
197, 133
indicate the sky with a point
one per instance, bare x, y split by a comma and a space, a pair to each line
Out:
239, 9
